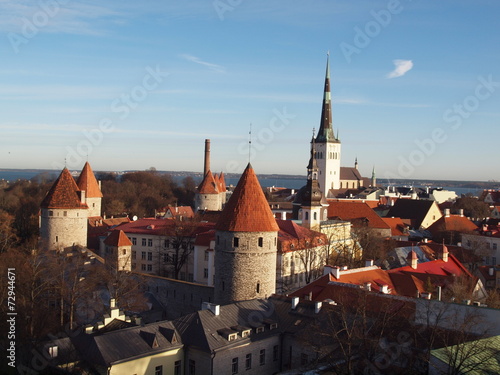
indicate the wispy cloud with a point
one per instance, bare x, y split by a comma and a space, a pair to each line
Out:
401, 68
214, 67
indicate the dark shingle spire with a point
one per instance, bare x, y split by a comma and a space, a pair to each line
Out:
325, 133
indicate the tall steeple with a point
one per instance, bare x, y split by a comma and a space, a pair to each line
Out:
325, 133
374, 178
327, 145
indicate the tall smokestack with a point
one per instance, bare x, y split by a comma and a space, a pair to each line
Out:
207, 157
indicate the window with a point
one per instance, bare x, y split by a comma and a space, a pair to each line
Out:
495, 246
150, 267
166, 243
234, 366
259, 329
57, 238
276, 353
192, 367
143, 242
143, 255
306, 215
206, 256
236, 241
134, 241
65, 213
190, 277
150, 255
51, 213
159, 370
177, 367
205, 273
134, 254
315, 215
150, 242
248, 361
262, 357
258, 288
143, 267
134, 266
124, 251
494, 261
261, 241
53, 351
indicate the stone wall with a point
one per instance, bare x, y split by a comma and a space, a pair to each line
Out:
60, 228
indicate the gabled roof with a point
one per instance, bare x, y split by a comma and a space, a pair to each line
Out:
185, 211
247, 210
413, 209
117, 238
208, 185
359, 214
350, 173
64, 193
87, 181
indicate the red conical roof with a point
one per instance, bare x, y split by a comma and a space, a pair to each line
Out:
117, 238
87, 181
247, 209
208, 185
222, 182
64, 193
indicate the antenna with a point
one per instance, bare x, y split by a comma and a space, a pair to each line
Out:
249, 142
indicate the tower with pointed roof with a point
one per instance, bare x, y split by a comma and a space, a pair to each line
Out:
374, 178
118, 250
64, 214
327, 145
245, 244
313, 205
93, 195
211, 193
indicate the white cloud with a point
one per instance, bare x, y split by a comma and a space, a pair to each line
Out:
401, 68
215, 67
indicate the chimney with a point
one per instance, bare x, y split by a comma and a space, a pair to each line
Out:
112, 303
368, 286
206, 167
82, 196
327, 270
295, 302
343, 268
317, 306
444, 254
336, 272
412, 259
99, 183
461, 212
369, 263
446, 212
384, 289
439, 292
491, 271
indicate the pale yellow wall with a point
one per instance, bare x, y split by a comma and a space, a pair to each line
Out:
432, 216
147, 365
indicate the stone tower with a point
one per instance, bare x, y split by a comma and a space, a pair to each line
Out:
118, 250
64, 214
245, 244
209, 195
93, 196
327, 145
313, 207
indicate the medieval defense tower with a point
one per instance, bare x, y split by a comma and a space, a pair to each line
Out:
245, 244
64, 214
93, 196
211, 193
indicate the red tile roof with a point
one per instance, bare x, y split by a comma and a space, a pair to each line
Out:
160, 227
455, 223
204, 239
222, 182
208, 185
356, 212
247, 210
397, 226
64, 193
184, 211
87, 181
117, 238
293, 237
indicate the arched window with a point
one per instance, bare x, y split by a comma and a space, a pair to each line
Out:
258, 288
315, 215
306, 215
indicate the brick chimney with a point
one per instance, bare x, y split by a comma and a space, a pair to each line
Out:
206, 166
444, 253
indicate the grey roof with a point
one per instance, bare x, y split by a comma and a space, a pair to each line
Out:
121, 345
208, 332
350, 173
397, 257
413, 209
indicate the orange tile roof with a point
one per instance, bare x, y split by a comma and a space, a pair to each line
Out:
293, 237
452, 223
117, 238
396, 224
87, 181
353, 211
64, 193
222, 182
185, 211
208, 185
247, 210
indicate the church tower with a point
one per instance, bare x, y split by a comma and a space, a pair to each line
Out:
93, 196
64, 214
327, 145
374, 178
313, 203
245, 244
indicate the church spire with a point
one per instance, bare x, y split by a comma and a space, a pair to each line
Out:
325, 133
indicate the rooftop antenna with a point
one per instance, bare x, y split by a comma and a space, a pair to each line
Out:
249, 142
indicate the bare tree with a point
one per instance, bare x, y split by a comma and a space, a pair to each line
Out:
179, 236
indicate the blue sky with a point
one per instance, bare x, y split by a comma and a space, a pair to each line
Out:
133, 85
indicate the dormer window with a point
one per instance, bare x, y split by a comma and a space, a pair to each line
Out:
232, 337
259, 329
53, 351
